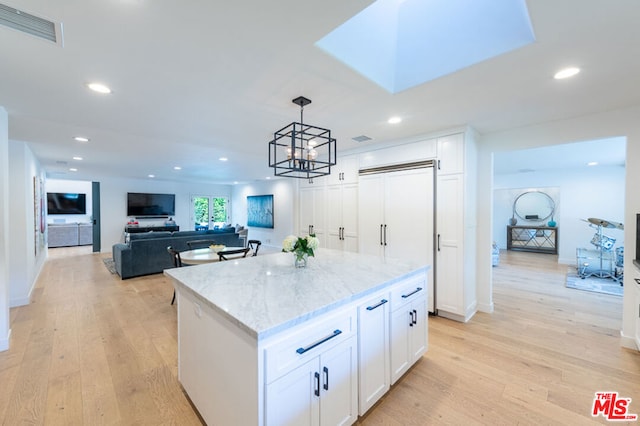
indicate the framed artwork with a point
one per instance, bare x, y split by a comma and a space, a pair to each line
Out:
260, 211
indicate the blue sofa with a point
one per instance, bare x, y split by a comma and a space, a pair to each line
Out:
146, 253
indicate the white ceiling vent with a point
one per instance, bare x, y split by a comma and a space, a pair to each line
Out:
361, 138
30, 24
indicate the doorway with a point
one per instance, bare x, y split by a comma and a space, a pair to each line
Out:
209, 212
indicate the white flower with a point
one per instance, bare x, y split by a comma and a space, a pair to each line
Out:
312, 242
289, 242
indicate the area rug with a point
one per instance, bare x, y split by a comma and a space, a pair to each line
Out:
597, 285
110, 264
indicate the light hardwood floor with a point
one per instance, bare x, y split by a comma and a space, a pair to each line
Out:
93, 349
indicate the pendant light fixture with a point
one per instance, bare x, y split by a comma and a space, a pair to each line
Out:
301, 150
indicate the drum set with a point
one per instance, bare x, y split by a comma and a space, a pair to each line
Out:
608, 262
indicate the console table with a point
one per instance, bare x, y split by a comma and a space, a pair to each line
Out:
541, 239
136, 229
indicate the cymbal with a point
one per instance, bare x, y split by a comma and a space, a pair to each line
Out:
605, 223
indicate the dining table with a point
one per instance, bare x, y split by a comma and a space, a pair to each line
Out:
203, 255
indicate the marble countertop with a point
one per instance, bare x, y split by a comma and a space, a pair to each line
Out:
266, 294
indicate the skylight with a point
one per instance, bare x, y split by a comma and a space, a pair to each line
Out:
400, 44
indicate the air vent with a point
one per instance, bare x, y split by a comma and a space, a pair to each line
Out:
361, 138
30, 24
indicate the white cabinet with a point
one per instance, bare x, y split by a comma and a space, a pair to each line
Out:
342, 217
396, 214
328, 206
409, 320
322, 391
311, 208
345, 171
373, 350
451, 154
449, 245
371, 214
456, 228
312, 375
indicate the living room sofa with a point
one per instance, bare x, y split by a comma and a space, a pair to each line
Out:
146, 253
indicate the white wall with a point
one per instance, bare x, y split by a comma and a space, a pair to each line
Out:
622, 122
28, 246
579, 194
5, 331
113, 204
72, 186
284, 201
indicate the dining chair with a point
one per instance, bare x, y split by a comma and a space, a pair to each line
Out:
195, 244
177, 263
254, 245
233, 254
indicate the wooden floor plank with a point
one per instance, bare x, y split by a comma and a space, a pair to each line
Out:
97, 350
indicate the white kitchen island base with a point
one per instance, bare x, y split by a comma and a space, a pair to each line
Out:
264, 343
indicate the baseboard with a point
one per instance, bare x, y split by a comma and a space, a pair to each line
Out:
486, 307
20, 301
4, 343
628, 342
449, 315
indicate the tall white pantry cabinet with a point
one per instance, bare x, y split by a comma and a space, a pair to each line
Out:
421, 218
456, 227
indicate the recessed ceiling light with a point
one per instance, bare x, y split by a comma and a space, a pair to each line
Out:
77, 158
81, 139
152, 176
99, 87
177, 168
73, 169
394, 120
268, 177
235, 182
566, 73
223, 159
592, 163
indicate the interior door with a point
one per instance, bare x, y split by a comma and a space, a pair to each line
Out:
95, 216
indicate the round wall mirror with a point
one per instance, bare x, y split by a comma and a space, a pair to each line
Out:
534, 205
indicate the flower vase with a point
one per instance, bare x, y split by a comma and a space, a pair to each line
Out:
300, 260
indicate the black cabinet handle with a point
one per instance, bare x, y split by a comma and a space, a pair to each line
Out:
637, 280
316, 391
385, 234
325, 370
319, 342
410, 318
438, 242
381, 234
377, 305
404, 296
415, 317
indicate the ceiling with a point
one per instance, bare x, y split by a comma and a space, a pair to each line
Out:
194, 81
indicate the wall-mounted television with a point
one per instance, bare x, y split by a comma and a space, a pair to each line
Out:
66, 203
143, 204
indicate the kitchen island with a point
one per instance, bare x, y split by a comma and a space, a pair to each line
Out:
261, 342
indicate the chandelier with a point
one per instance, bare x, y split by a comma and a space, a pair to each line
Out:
300, 150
